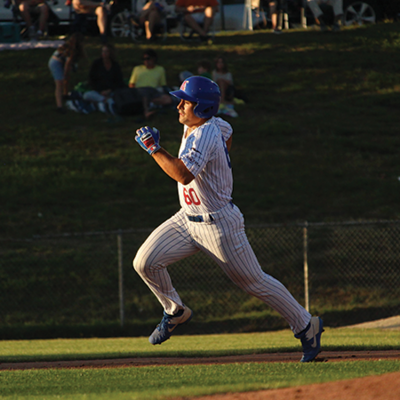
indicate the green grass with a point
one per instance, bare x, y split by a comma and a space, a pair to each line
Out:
318, 139
191, 346
164, 382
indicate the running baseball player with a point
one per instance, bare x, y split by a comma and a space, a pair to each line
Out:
208, 220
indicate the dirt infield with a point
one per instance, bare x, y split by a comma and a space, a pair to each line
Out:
384, 387
326, 356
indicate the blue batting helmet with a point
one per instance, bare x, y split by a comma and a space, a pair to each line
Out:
202, 91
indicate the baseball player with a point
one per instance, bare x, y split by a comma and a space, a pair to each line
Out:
208, 220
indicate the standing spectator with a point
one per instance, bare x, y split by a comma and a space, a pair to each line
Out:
105, 77
320, 19
151, 15
198, 14
224, 79
38, 7
150, 80
100, 9
61, 64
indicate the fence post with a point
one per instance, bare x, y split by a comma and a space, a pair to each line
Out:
305, 261
120, 280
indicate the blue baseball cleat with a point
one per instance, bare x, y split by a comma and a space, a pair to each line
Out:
169, 322
311, 339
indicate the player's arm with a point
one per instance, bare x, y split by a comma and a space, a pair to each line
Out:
148, 139
173, 167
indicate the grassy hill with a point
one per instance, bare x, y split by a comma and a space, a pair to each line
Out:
318, 139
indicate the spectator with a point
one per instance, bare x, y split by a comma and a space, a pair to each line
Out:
275, 9
105, 77
150, 79
198, 15
151, 15
34, 7
320, 19
82, 7
224, 79
203, 69
61, 64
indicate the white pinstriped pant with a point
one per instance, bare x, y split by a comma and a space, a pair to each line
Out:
223, 238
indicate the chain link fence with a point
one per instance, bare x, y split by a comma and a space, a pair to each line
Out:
345, 272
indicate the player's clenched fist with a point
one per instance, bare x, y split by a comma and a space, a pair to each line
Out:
148, 139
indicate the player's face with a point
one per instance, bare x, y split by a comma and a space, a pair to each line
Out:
186, 114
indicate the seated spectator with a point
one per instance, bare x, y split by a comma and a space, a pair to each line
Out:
105, 77
149, 79
203, 69
151, 15
275, 10
320, 19
198, 15
224, 79
61, 64
100, 9
28, 8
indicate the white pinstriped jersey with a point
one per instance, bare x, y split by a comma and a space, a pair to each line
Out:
205, 155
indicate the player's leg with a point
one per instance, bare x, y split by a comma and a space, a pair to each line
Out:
226, 242
169, 243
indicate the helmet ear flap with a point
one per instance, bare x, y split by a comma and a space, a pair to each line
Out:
203, 111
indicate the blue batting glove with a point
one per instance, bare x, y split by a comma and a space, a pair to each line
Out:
148, 139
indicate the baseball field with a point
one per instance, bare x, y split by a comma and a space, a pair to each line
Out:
355, 363
317, 139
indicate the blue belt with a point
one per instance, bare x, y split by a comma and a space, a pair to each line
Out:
196, 218
199, 218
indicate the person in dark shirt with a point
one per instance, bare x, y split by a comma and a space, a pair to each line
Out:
105, 77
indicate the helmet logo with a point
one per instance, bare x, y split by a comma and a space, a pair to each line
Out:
183, 86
